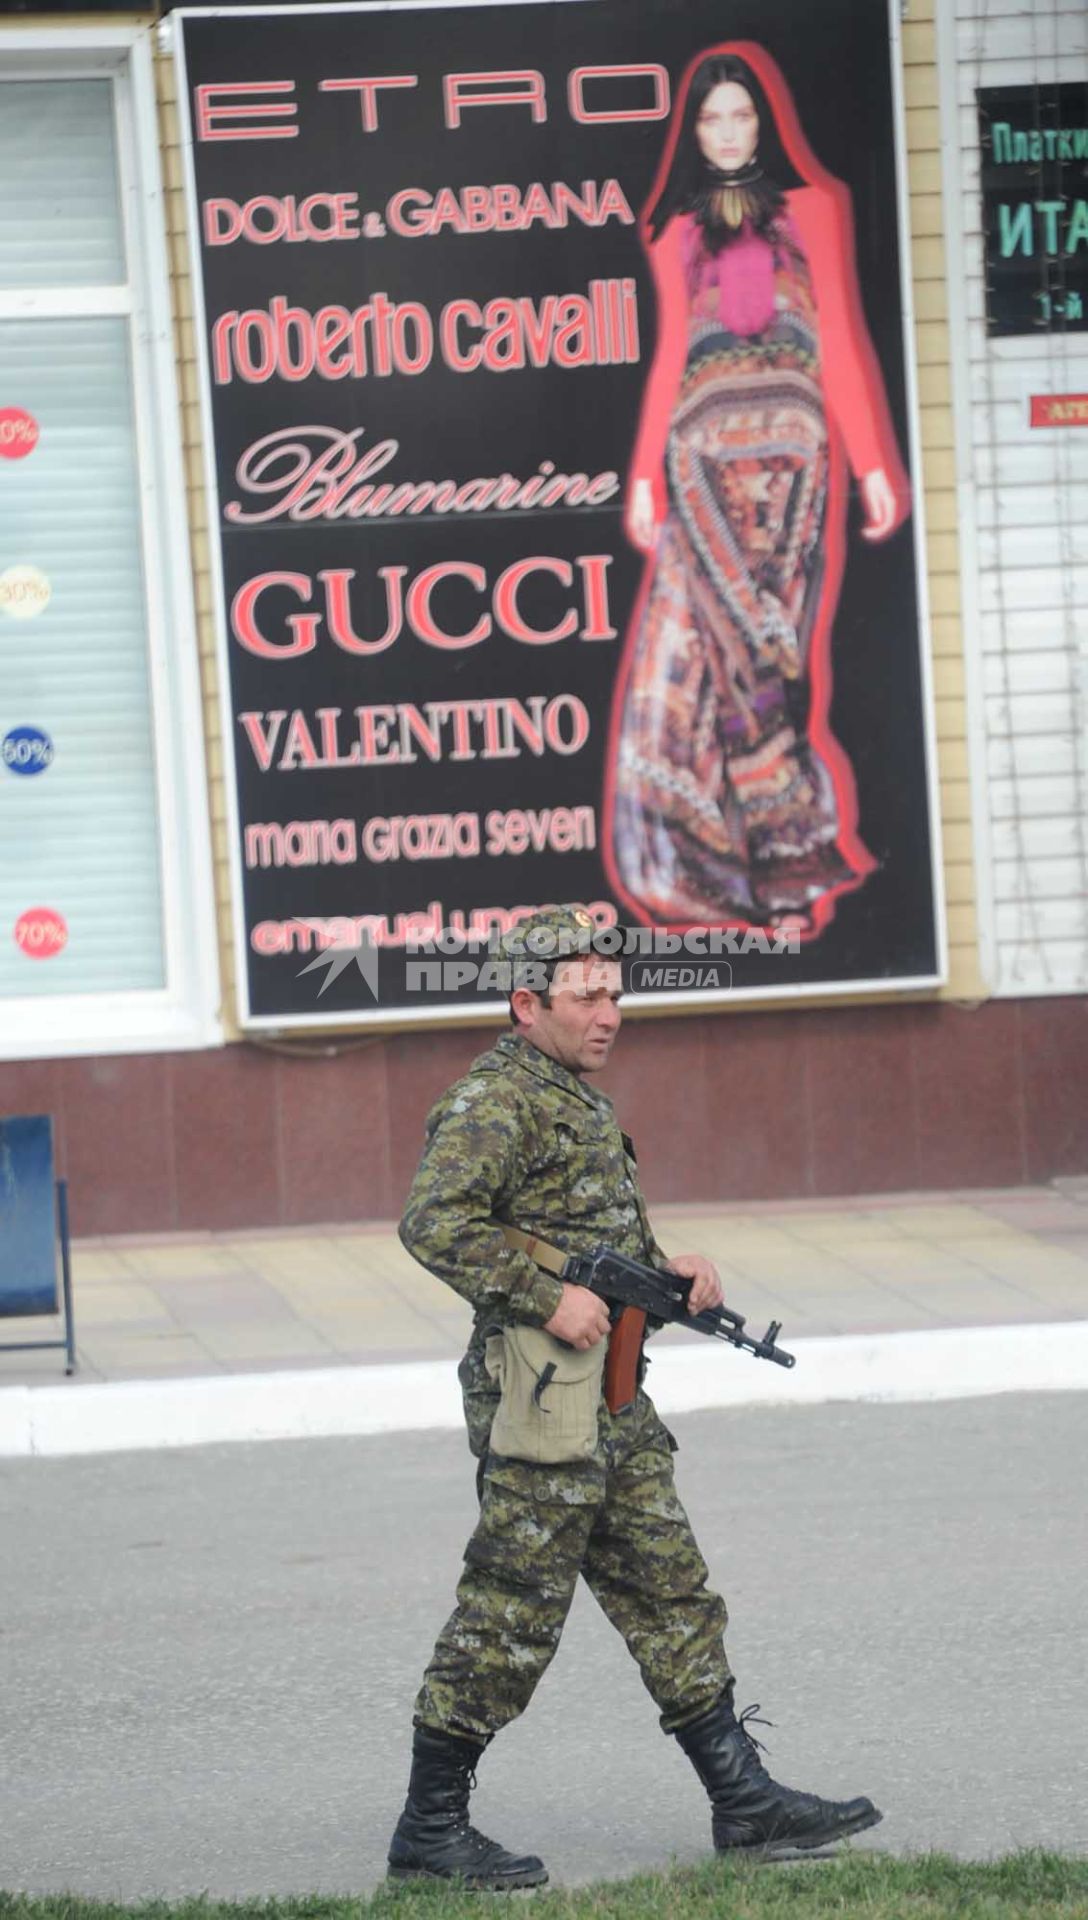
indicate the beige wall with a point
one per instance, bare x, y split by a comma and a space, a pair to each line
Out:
938, 478
939, 484
193, 449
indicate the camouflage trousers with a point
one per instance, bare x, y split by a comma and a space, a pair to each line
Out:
616, 1520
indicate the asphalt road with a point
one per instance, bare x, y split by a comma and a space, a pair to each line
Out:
208, 1657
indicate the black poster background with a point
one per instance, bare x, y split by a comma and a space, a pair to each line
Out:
1029, 293
835, 58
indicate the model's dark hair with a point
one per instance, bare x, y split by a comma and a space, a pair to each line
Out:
692, 186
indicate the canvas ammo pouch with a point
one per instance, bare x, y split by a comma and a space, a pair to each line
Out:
550, 1395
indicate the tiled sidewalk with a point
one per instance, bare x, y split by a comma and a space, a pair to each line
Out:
235, 1303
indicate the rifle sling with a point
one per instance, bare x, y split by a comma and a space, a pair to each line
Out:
552, 1259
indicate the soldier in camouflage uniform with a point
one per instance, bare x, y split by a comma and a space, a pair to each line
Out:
523, 1139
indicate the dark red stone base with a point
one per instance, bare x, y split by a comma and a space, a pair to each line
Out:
734, 1107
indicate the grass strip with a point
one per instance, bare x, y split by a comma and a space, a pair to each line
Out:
1031, 1885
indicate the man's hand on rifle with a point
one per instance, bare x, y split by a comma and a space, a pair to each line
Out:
706, 1286
581, 1319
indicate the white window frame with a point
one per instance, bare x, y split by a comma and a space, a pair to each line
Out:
184, 1012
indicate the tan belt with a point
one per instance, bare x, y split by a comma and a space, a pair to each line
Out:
552, 1259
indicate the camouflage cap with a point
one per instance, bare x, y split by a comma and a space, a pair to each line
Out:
551, 934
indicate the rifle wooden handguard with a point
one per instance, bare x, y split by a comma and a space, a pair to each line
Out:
621, 1362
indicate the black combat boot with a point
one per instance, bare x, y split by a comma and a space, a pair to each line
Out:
434, 1840
751, 1812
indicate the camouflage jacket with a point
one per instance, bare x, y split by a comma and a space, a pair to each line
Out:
522, 1139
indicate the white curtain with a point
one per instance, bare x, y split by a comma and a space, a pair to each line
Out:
79, 838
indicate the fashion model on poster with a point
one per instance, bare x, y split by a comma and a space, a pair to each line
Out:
730, 799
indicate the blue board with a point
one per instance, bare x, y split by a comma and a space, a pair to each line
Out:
28, 1232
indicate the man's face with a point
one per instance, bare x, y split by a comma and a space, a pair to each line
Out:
582, 1019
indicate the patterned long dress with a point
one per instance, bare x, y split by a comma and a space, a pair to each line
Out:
723, 809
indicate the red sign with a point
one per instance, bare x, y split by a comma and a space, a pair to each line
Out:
18, 433
1059, 409
41, 933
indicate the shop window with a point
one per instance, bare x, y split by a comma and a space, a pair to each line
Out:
106, 921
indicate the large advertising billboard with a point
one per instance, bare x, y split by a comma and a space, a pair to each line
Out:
566, 519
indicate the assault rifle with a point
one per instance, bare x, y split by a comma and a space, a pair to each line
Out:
633, 1292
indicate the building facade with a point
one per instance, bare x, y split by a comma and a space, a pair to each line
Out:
119, 949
